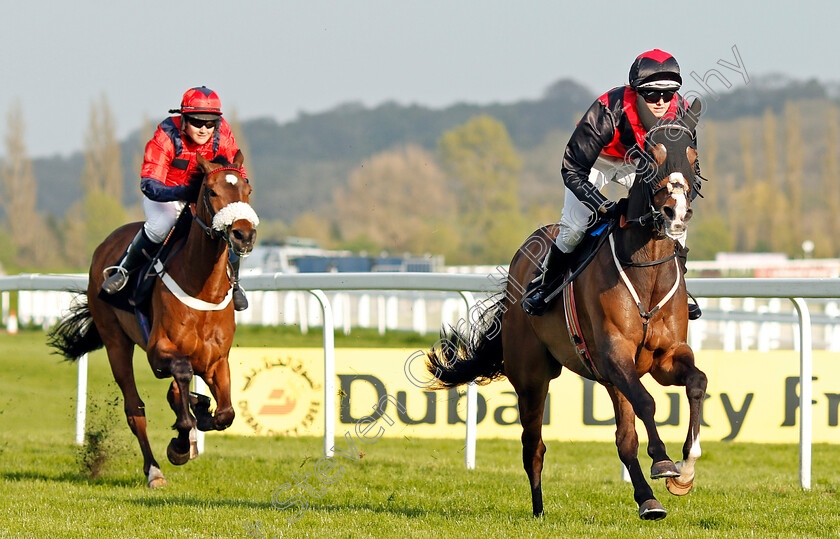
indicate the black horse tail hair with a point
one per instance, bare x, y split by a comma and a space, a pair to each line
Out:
75, 334
465, 354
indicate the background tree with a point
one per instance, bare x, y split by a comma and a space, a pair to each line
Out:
100, 211
28, 243
745, 223
397, 201
482, 161
102, 171
830, 188
793, 177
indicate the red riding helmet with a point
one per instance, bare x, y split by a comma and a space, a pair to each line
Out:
201, 103
655, 69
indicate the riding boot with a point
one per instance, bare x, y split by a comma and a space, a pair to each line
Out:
694, 311
240, 302
141, 249
539, 289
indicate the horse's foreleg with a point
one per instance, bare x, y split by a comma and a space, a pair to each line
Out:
628, 383
627, 442
218, 380
531, 407
178, 396
684, 372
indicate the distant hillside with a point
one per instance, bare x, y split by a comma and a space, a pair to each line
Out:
296, 166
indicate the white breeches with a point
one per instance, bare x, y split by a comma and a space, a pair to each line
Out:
577, 216
160, 217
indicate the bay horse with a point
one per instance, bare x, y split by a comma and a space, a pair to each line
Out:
191, 315
633, 315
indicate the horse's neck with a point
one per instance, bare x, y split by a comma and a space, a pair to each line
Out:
203, 264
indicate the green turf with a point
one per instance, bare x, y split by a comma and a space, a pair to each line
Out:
400, 487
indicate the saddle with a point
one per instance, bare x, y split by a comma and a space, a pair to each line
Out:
583, 255
134, 298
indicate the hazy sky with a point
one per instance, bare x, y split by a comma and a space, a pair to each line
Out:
277, 58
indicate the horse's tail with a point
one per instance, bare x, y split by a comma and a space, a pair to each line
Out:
75, 334
466, 354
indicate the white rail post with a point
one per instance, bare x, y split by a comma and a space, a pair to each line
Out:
472, 399
81, 399
329, 372
805, 392
199, 387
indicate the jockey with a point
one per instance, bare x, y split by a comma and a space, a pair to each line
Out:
169, 164
598, 153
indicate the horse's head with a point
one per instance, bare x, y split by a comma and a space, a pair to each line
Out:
223, 203
665, 177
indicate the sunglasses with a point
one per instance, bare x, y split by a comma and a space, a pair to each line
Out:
198, 124
653, 96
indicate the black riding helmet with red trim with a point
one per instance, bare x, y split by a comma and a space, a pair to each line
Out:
200, 103
655, 69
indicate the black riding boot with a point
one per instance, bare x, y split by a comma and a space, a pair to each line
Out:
539, 289
139, 251
694, 311
240, 302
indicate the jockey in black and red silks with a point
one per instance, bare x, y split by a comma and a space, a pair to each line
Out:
169, 165
601, 150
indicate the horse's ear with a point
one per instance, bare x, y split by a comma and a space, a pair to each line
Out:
645, 115
692, 115
203, 163
238, 159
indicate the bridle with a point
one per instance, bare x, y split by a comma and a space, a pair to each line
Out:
654, 216
213, 233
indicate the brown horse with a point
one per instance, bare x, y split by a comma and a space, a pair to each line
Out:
191, 319
632, 310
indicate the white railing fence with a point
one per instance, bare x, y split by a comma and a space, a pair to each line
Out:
795, 290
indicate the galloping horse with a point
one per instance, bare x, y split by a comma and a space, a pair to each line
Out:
632, 311
191, 318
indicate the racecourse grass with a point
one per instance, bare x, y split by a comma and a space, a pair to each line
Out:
401, 487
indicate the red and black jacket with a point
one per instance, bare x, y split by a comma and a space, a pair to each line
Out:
611, 127
169, 162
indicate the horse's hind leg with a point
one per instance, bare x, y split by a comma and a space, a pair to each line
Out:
531, 408
120, 352
627, 442
179, 449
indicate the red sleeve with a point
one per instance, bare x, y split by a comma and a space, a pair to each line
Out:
158, 155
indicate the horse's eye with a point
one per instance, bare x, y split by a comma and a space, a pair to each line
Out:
212, 193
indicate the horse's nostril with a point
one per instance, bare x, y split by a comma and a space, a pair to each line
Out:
669, 212
244, 236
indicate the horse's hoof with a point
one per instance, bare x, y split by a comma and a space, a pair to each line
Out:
652, 510
174, 456
155, 478
664, 468
676, 488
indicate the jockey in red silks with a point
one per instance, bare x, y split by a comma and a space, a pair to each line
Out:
600, 151
169, 164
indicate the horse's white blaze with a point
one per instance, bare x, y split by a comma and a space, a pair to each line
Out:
234, 212
231, 179
677, 188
